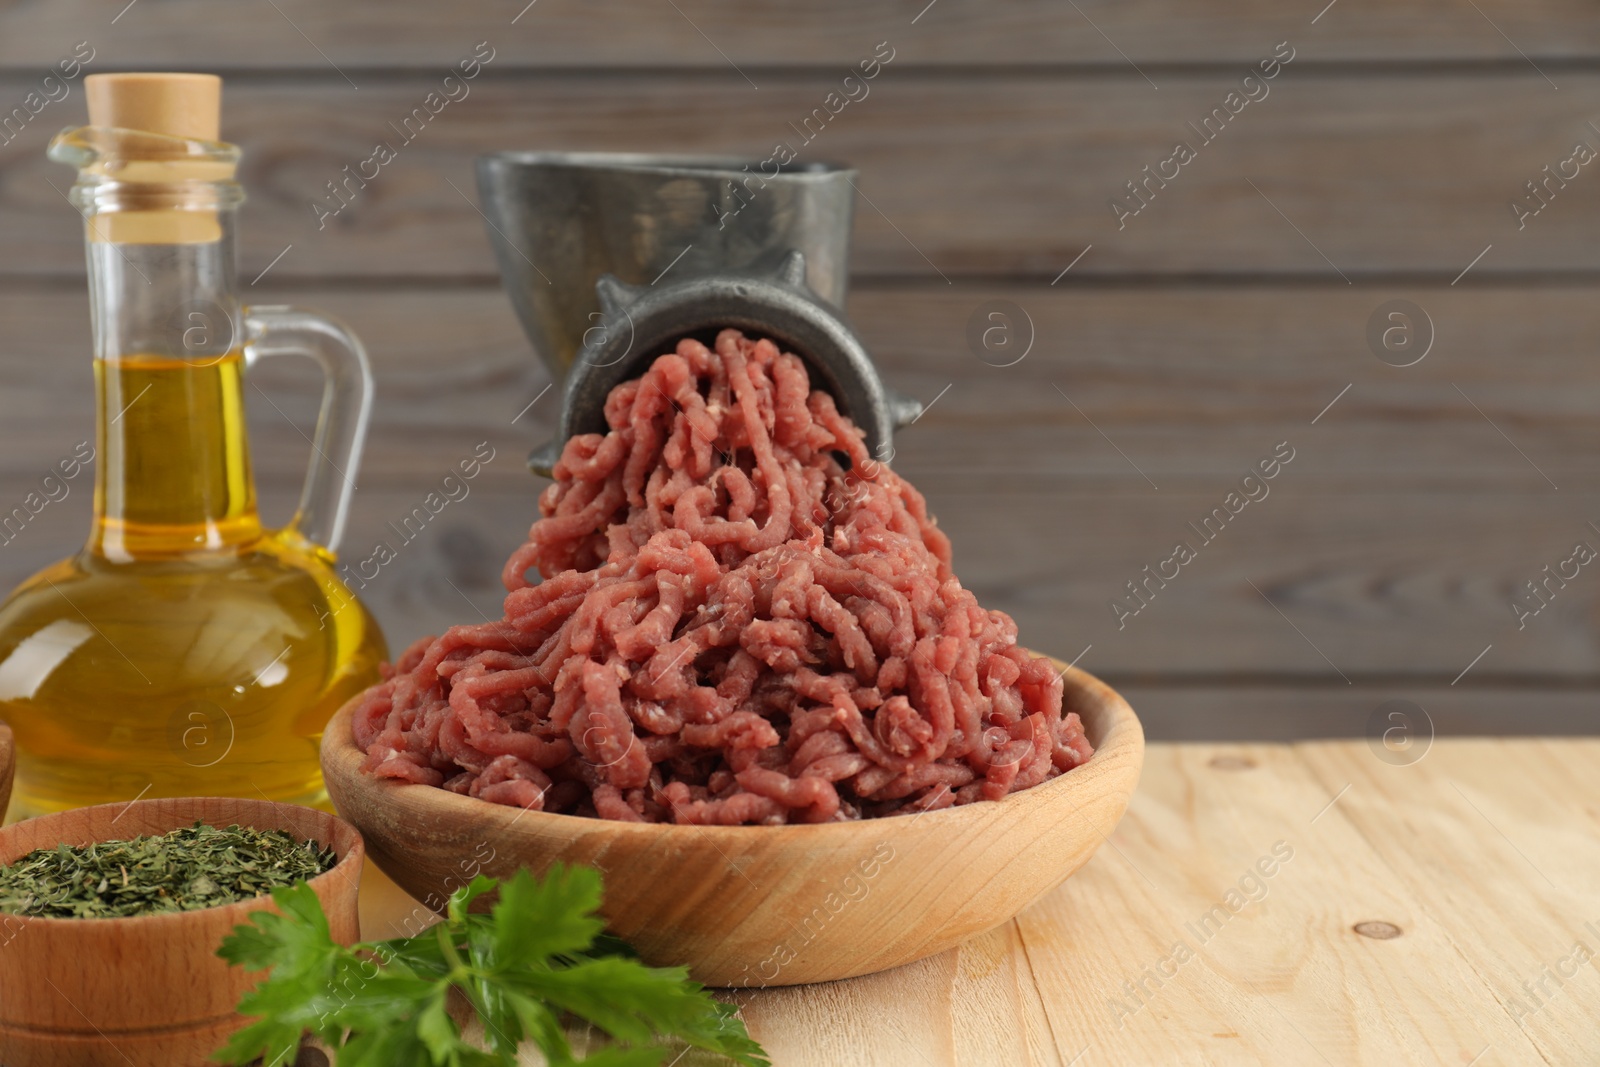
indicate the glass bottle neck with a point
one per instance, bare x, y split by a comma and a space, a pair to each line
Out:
174, 476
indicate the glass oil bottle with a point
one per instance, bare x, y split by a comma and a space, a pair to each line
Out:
185, 650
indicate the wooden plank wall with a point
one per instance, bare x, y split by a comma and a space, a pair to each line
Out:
1185, 342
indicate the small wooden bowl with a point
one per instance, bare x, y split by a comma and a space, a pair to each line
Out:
146, 991
771, 905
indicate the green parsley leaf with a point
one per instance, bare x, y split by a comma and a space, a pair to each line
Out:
552, 917
539, 955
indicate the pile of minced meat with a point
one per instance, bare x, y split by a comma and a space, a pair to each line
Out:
742, 618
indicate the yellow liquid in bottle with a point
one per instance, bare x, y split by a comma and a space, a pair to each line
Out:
185, 651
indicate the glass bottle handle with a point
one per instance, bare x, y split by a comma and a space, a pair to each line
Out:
278, 330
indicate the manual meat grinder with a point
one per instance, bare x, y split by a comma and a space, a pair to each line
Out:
610, 259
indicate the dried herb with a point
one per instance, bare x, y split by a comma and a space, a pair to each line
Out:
186, 869
538, 956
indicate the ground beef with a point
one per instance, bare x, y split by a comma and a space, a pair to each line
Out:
743, 618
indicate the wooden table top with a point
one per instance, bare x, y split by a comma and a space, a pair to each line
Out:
1282, 904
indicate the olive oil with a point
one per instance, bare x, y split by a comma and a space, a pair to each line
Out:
185, 651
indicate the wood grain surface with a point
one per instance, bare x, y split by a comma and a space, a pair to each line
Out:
307, 36
1193, 384
989, 174
1268, 904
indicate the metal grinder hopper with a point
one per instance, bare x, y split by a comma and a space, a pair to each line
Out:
609, 259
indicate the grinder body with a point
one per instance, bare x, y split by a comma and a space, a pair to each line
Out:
609, 259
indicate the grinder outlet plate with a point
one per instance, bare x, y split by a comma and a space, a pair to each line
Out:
641, 322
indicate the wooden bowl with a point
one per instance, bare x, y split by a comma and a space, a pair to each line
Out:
146, 991
771, 905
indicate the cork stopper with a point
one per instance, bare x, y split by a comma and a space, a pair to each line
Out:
175, 105
125, 110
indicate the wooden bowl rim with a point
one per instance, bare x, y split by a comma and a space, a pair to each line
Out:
1122, 734
344, 833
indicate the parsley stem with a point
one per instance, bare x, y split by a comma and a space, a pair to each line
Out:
448, 947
